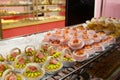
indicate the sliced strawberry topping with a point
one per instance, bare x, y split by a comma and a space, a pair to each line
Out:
2, 67
53, 61
40, 55
21, 60
32, 69
14, 54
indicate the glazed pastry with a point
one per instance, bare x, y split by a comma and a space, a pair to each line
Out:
30, 50
80, 55
3, 68
32, 71
55, 43
87, 40
9, 74
89, 49
2, 59
97, 47
52, 51
96, 38
40, 57
52, 65
75, 43
67, 58
110, 40
20, 62
13, 54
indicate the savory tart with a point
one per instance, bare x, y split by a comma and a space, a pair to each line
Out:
30, 50
20, 62
52, 65
67, 58
40, 57
80, 55
13, 54
52, 51
33, 71
3, 68
2, 59
9, 74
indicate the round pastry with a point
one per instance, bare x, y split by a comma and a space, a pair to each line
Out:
32, 71
67, 58
111, 40
44, 47
104, 43
102, 35
2, 59
40, 57
97, 47
55, 43
89, 49
13, 54
11, 75
3, 68
52, 51
87, 40
91, 32
52, 65
75, 43
20, 63
30, 50
96, 38
80, 55
60, 48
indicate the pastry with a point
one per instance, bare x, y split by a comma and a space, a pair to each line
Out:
40, 57
13, 54
9, 74
52, 65
33, 71
87, 40
67, 58
96, 38
75, 43
97, 47
20, 62
80, 55
3, 68
52, 51
111, 40
30, 50
89, 49
44, 47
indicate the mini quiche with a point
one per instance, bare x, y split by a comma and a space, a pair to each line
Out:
40, 57
52, 51
2, 59
52, 65
13, 54
33, 71
9, 74
20, 62
30, 50
3, 68
67, 58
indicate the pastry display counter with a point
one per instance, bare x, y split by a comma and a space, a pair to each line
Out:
83, 68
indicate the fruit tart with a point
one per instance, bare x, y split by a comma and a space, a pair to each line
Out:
9, 74
44, 47
2, 59
20, 62
40, 57
3, 68
75, 43
30, 50
33, 71
52, 51
52, 65
66, 58
80, 55
13, 54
